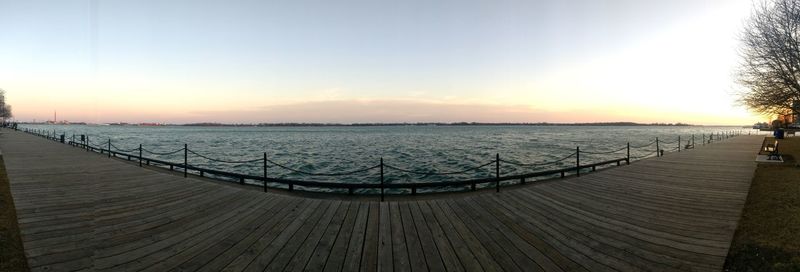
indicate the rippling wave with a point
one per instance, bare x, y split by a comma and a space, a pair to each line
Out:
422, 149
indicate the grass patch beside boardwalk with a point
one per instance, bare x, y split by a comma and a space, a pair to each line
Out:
768, 236
12, 255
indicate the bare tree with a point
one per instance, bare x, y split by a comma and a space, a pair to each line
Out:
771, 57
5, 109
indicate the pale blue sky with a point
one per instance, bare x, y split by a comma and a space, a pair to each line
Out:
88, 58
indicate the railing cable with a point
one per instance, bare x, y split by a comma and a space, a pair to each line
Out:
162, 154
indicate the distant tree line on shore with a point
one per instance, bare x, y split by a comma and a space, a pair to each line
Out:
294, 124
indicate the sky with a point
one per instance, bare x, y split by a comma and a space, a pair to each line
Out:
373, 61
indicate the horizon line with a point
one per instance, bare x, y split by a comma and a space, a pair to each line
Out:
460, 123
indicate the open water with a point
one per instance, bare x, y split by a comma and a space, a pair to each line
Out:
424, 149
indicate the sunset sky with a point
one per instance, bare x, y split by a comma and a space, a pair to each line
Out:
373, 61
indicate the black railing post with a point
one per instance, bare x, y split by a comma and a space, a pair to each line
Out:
679, 143
628, 157
578, 160
381, 179
109, 147
185, 160
658, 149
140, 155
265, 172
87, 143
497, 172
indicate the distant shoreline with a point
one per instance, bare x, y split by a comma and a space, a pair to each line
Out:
380, 124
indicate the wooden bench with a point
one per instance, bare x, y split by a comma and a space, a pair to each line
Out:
771, 149
766, 146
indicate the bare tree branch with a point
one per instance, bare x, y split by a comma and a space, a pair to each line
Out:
770, 64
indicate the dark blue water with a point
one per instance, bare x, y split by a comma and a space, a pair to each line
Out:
416, 148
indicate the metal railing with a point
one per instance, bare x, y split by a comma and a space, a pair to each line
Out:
380, 186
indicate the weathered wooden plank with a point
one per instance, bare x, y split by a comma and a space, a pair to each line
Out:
399, 249
494, 246
464, 235
415, 255
224, 238
219, 235
465, 256
169, 243
336, 258
303, 253
320, 254
443, 245
432, 256
274, 239
353, 260
284, 246
524, 254
385, 248
369, 254
246, 248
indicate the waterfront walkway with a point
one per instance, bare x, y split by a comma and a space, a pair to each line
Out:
82, 211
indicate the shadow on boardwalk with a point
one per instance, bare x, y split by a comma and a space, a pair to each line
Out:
80, 210
12, 256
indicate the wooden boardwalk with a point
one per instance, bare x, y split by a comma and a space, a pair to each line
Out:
83, 211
